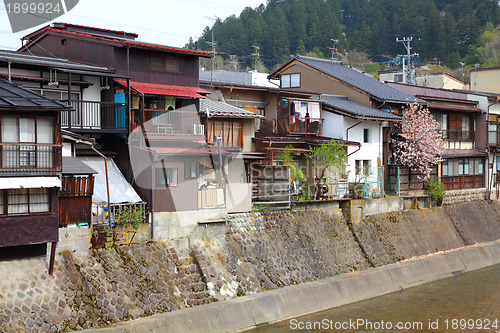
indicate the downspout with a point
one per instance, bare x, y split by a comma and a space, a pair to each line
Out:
489, 175
107, 181
152, 160
347, 130
10, 70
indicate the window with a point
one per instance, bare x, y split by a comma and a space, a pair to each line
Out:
290, 80
171, 177
463, 167
231, 132
26, 201
362, 168
165, 63
398, 78
190, 169
28, 131
366, 135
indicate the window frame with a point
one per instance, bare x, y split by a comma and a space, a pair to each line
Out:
291, 83
4, 206
165, 63
188, 169
159, 176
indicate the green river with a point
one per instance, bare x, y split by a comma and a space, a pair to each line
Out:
465, 303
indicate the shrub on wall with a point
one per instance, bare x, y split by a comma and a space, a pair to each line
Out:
437, 190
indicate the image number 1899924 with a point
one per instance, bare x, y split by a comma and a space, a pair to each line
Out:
26, 14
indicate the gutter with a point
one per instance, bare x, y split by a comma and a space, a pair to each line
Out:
489, 179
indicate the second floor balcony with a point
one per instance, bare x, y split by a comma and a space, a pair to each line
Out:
32, 159
90, 116
458, 135
299, 117
172, 123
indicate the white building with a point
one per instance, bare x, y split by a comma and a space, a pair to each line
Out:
350, 121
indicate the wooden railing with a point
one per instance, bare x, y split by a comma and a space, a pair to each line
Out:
456, 135
21, 157
90, 115
211, 198
298, 125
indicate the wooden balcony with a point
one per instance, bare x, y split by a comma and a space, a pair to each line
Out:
96, 117
19, 158
299, 126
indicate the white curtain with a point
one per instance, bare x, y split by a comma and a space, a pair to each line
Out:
45, 134
17, 201
39, 200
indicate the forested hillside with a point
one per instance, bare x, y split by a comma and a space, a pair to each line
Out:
449, 31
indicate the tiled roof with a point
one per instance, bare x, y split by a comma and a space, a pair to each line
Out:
341, 103
73, 166
219, 109
14, 97
358, 80
28, 59
110, 39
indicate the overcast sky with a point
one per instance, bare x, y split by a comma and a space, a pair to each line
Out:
167, 22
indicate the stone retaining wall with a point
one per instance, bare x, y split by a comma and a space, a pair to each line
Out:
262, 251
461, 196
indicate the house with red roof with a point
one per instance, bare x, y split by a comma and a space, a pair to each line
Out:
167, 155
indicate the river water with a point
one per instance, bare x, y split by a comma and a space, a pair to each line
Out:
465, 303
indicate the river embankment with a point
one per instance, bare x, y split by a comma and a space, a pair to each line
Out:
265, 267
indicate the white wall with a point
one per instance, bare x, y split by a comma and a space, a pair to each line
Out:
372, 150
333, 125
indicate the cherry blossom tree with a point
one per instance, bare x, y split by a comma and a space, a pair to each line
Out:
422, 144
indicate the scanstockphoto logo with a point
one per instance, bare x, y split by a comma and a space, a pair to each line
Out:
28, 14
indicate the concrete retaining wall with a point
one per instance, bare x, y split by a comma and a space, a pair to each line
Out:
270, 306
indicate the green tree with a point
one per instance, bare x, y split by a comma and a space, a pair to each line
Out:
329, 160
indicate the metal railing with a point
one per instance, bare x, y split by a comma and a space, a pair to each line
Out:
119, 212
90, 115
30, 157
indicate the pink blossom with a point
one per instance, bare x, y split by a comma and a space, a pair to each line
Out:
423, 144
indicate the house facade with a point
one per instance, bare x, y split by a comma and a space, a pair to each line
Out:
361, 91
351, 121
463, 128
166, 155
31, 166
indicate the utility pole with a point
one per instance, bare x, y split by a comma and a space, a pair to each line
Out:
408, 69
334, 48
213, 52
234, 61
463, 73
256, 55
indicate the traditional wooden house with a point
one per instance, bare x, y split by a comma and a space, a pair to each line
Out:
161, 106
30, 164
292, 118
360, 91
463, 128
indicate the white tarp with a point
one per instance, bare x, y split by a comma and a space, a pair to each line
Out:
29, 182
119, 189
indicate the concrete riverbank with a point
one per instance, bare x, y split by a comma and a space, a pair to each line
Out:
250, 255
276, 305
